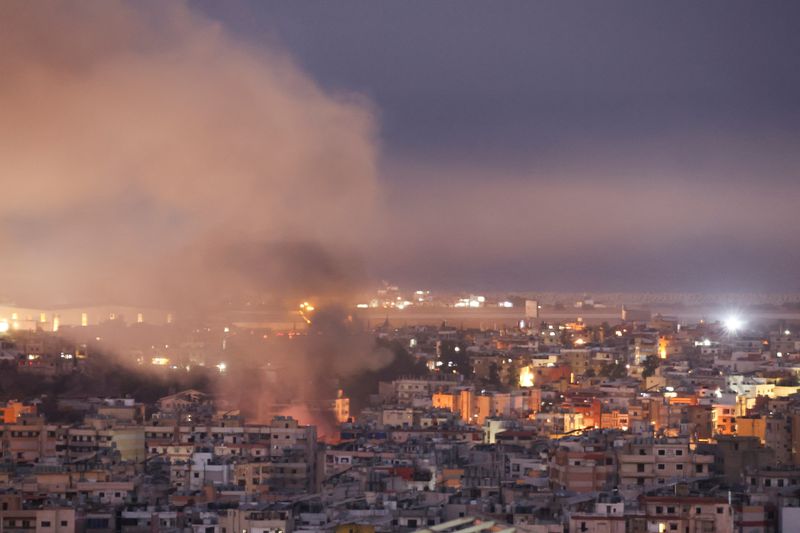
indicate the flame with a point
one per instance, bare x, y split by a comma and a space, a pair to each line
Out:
526, 377
662, 347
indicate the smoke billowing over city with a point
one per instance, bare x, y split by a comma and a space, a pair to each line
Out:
152, 157
372, 267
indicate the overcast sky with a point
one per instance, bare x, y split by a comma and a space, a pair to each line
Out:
465, 145
515, 80
665, 134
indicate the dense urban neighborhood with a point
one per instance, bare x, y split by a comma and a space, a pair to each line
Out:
648, 423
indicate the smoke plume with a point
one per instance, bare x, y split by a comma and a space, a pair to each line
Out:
148, 157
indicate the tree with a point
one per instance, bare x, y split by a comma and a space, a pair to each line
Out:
513, 376
650, 365
614, 370
454, 356
494, 375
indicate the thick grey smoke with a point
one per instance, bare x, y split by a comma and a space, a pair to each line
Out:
147, 155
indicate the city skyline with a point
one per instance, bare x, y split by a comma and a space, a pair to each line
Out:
292, 266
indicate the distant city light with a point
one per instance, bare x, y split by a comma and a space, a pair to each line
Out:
222, 367
733, 324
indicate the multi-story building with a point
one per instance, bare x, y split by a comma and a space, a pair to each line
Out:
582, 467
649, 463
695, 514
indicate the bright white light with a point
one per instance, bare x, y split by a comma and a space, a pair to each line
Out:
787, 332
222, 367
3, 327
733, 324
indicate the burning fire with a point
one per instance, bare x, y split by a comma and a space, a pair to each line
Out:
526, 376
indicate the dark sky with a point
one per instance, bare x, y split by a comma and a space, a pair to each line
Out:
512, 81
689, 108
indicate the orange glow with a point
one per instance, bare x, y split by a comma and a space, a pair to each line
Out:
662, 347
526, 376
342, 408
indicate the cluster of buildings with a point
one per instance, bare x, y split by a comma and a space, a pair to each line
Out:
644, 426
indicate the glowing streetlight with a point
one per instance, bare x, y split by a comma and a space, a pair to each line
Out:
733, 324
